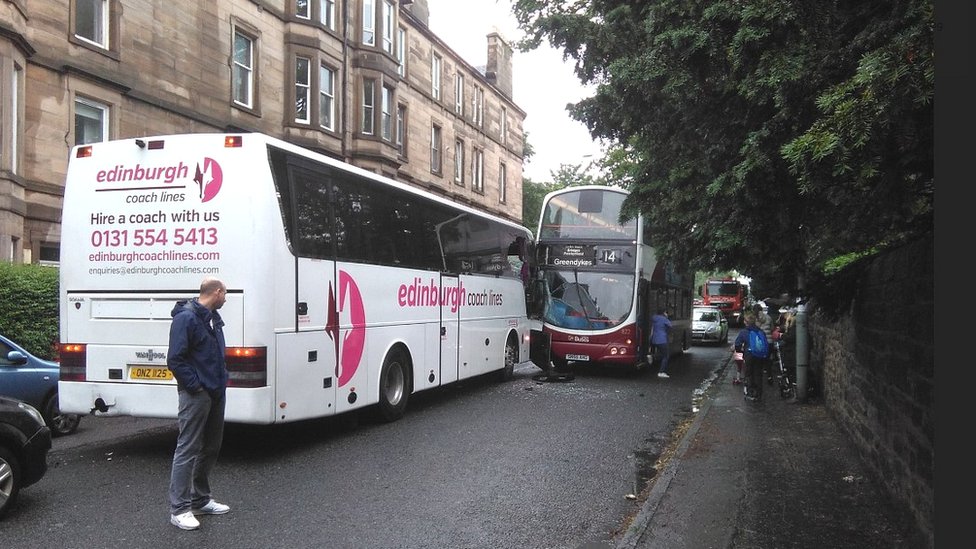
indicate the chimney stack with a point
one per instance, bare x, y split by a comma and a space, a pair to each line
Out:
419, 10
499, 67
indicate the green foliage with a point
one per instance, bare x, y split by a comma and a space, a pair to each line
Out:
768, 136
528, 151
838, 263
29, 316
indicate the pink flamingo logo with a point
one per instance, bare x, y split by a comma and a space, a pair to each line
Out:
208, 179
349, 352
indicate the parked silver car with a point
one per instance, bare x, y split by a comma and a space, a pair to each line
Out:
709, 325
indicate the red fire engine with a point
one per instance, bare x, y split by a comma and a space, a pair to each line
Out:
728, 294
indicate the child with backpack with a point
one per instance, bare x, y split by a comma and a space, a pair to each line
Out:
754, 346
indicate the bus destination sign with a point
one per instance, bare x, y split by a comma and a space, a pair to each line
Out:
573, 255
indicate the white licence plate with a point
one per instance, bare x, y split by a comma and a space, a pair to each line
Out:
577, 357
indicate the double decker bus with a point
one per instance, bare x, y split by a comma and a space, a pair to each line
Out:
345, 289
603, 281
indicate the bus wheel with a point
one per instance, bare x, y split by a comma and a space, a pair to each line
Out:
511, 357
394, 385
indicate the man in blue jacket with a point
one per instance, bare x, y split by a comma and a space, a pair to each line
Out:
196, 358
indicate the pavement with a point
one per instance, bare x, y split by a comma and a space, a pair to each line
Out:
773, 474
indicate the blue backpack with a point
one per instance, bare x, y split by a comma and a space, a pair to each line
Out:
758, 345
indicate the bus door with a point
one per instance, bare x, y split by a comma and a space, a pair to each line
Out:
306, 348
643, 319
450, 322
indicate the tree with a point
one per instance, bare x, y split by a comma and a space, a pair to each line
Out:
766, 136
532, 195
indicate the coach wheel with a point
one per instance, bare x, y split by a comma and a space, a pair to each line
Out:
394, 385
511, 358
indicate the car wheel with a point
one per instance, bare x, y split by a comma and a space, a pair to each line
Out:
511, 357
60, 424
9, 479
394, 385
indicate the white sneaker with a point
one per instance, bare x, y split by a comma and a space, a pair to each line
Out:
212, 508
185, 521
663, 375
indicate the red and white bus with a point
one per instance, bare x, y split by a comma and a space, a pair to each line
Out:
345, 289
603, 281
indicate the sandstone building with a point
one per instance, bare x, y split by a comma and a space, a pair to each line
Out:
364, 81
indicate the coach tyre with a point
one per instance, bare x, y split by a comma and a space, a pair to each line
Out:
394, 385
511, 357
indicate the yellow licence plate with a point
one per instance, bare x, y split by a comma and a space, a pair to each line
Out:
148, 372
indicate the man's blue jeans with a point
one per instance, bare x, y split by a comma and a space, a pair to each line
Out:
201, 420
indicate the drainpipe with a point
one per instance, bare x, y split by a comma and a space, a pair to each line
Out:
802, 345
346, 85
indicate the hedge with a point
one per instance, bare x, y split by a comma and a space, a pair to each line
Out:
29, 307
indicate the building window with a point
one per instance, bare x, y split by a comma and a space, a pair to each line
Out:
49, 254
503, 125
369, 105
459, 162
502, 183
303, 88
435, 76
305, 9
15, 95
478, 106
14, 248
478, 171
435, 148
369, 23
459, 94
327, 13
401, 130
91, 21
91, 121
243, 69
386, 114
401, 51
327, 97
388, 26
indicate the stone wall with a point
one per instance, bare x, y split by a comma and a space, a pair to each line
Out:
875, 366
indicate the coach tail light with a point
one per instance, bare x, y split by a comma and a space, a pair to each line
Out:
247, 366
73, 358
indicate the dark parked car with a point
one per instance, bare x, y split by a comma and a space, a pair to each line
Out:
24, 443
35, 381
